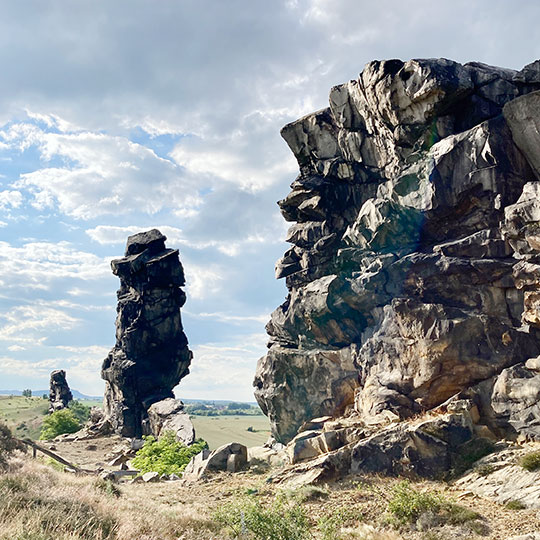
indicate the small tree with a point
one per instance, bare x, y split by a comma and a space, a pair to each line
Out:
59, 422
27, 393
81, 411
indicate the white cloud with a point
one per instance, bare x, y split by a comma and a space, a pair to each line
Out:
101, 175
27, 324
37, 264
227, 369
231, 318
10, 199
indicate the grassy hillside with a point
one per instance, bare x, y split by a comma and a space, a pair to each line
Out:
23, 415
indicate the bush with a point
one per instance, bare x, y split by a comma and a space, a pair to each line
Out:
7, 445
59, 422
166, 455
407, 504
531, 461
81, 412
249, 519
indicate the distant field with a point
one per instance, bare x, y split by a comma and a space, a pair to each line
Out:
218, 430
23, 415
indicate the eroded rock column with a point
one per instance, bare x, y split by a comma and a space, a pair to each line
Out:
151, 353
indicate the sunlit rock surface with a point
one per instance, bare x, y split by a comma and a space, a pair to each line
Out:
414, 267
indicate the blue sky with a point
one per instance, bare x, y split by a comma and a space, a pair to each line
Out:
121, 116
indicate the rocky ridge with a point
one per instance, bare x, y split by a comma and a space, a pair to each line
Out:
414, 270
151, 353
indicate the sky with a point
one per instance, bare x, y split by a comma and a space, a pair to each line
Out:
118, 117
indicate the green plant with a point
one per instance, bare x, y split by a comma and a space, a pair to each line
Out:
59, 422
81, 412
283, 519
485, 469
27, 393
166, 455
330, 524
407, 504
470, 453
531, 461
515, 505
8, 445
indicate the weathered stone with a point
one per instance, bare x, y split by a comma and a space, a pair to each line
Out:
414, 272
217, 460
500, 477
150, 477
151, 354
429, 449
169, 415
60, 394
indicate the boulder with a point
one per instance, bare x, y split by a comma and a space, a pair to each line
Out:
151, 353
151, 477
414, 267
231, 457
59, 394
169, 415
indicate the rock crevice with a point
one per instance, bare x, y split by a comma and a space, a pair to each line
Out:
151, 353
413, 271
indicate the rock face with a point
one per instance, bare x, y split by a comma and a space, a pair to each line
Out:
414, 271
151, 354
59, 394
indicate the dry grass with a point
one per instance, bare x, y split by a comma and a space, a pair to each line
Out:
39, 503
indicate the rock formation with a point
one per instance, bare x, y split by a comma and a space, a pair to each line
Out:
414, 271
151, 354
59, 394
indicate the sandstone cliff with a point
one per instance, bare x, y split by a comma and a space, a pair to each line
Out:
414, 269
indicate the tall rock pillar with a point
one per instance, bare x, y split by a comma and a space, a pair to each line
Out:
151, 353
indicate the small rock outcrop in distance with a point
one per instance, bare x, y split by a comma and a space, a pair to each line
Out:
59, 394
414, 270
151, 354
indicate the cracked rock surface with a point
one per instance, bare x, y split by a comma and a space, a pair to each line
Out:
414, 266
151, 353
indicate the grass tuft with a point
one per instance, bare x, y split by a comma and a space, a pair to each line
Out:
531, 461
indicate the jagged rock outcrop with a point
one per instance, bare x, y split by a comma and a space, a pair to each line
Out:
59, 393
151, 354
414, 271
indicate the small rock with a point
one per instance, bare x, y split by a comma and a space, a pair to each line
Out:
150, 477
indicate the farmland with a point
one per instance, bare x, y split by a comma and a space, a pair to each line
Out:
25, 416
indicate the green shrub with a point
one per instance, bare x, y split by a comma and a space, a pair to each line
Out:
166, 455
531, 461
515, 505
7, 445
59, 422
249, 519
81, 412
407, 504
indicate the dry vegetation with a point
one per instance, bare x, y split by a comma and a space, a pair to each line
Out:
40, 503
